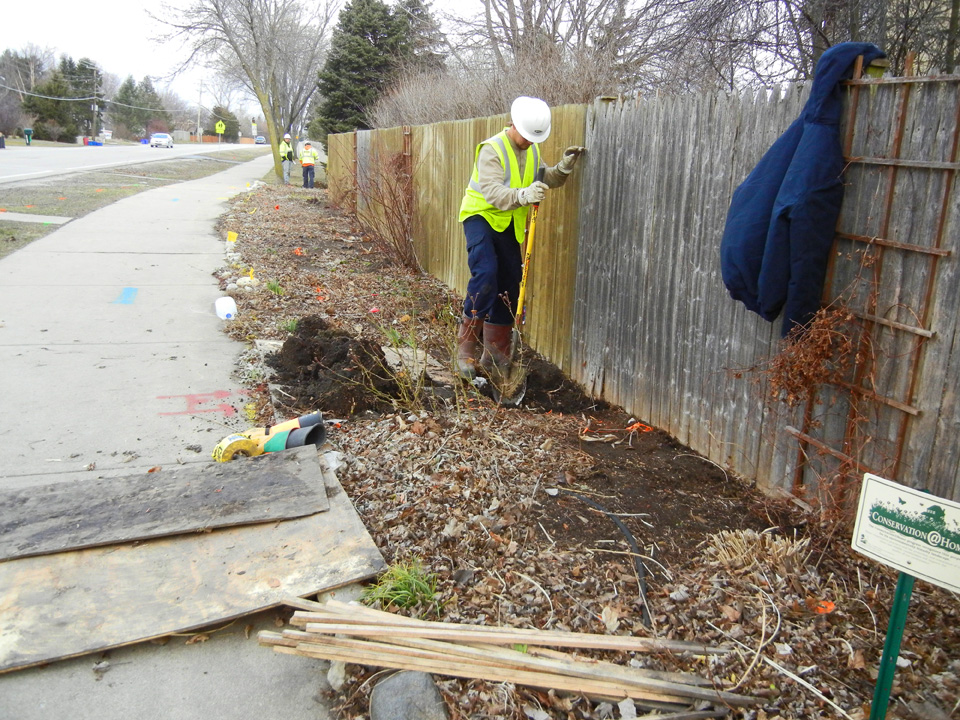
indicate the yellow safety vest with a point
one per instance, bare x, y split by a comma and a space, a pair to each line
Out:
309, 157
284, 149
475, 204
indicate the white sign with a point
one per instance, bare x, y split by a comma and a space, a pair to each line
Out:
912, 531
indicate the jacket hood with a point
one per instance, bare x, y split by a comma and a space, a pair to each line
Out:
835, 66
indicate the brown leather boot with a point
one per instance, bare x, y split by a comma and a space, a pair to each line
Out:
468, 347
496, 346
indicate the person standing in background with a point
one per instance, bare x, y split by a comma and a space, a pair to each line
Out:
286, 157
308, 159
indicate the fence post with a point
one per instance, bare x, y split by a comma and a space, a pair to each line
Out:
408, 166
356, 177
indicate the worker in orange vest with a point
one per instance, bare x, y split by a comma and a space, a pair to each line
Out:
308, 158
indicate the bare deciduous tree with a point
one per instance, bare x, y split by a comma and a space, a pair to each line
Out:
274, 47
182, 115
573, 50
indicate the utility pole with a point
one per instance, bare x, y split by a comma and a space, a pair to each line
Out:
94, 106
199, 105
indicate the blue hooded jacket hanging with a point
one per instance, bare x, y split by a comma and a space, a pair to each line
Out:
782, 219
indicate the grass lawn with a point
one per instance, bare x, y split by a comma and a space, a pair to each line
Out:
76, 195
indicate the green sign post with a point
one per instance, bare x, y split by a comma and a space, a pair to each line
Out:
917, 534
891, 647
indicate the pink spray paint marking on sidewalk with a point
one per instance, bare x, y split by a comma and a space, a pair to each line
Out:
199, 402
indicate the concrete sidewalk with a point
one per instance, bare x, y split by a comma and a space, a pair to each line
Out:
109, 341
37, 219
113, 363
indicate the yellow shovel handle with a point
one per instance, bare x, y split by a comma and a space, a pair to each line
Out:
531, 230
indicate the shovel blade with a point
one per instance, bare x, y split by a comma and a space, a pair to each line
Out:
510, 388
508, 385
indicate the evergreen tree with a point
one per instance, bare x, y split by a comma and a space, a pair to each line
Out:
152, 114
423, 43
137, 110
232, 123
54, 117
365, 51
123, 111
85, 80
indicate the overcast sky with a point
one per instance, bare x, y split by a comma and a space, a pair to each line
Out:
116, 34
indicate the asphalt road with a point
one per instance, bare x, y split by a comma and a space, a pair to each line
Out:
19, 164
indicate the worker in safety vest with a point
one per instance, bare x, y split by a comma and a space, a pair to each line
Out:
308, 158
286, 157
494, 216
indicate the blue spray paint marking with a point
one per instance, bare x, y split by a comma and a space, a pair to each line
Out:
126, 297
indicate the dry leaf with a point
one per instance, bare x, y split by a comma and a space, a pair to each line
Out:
856, 661
198, 638
730, 612
535, 713
611, 618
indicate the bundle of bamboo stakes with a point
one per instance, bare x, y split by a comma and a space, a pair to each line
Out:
354, 633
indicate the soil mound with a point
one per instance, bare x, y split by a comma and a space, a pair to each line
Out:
327, 369
548, 389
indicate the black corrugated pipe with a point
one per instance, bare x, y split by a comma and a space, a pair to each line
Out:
631, 541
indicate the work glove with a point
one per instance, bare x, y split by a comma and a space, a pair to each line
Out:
533, 193
569, 159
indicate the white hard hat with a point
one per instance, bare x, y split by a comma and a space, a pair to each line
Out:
286, 136
531, 118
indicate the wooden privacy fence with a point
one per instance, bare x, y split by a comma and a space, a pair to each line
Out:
627, 296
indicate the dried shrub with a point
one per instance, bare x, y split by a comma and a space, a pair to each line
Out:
477, 91
820, 352
385, 208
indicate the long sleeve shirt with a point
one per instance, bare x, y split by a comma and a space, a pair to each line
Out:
490, 176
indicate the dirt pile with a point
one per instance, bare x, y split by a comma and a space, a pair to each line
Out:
329, 369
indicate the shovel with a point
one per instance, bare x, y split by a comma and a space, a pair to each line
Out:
509, 384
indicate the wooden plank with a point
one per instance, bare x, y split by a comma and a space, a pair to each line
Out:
507, 636
172, 501
444, 666
353, 609
59, 606
513, 659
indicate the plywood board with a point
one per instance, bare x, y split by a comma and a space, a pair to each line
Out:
58, 606
180, 499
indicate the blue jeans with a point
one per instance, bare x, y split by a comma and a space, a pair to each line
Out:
495, 270
285, 164
308, 176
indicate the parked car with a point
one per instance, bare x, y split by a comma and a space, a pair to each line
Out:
260, 140
161, 140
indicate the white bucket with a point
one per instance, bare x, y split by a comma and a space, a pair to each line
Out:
226, 308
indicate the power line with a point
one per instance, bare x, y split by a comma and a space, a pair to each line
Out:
47, 97
99, 99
